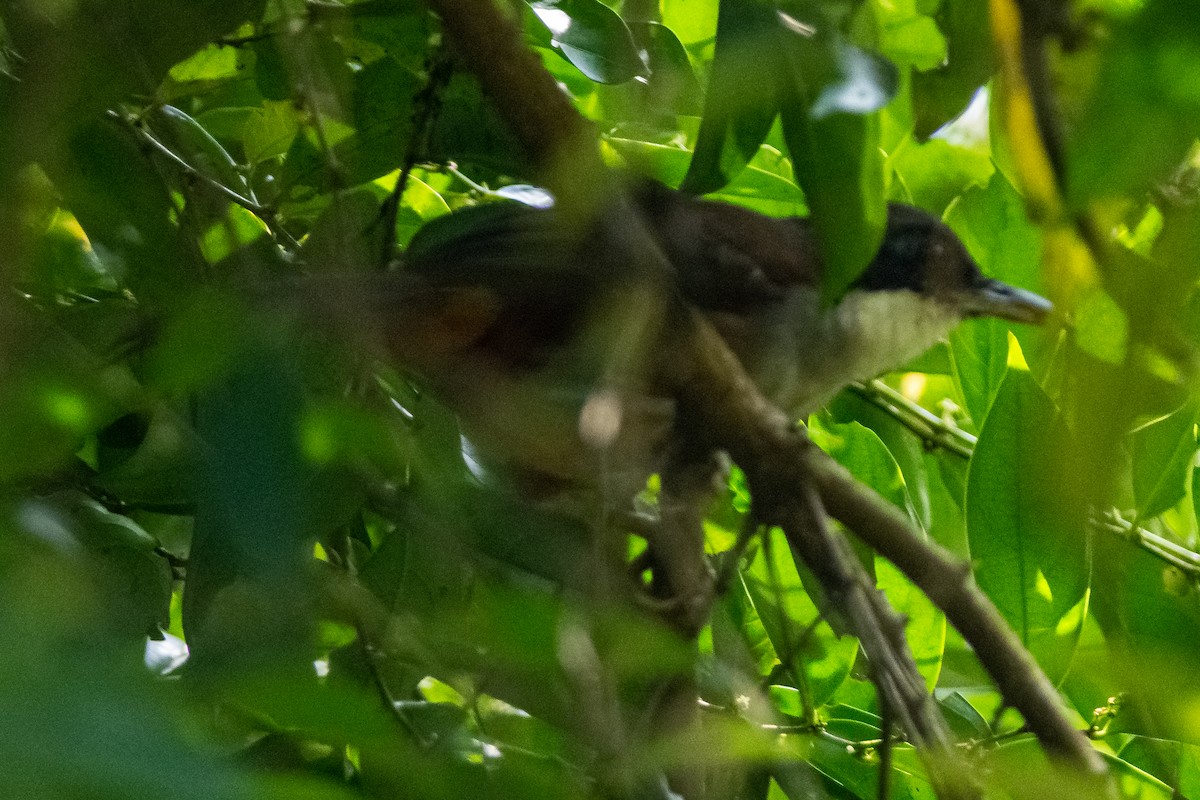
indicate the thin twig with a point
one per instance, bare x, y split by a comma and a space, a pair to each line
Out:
1177, 556
428, 105
935, 433
149, 138
264, 213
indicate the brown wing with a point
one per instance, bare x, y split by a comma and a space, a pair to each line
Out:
729, 258
516, 284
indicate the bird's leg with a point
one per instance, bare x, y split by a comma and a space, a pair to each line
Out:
682, 589
681, 578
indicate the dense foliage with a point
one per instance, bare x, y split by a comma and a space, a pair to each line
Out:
174, 448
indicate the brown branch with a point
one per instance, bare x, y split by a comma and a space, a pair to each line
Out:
720, 404
880, 631
946, 580
780, 463
559, 142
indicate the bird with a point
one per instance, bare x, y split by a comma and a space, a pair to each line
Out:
521, 318
767, 302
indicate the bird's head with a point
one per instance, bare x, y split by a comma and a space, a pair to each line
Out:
921, 254
921, 283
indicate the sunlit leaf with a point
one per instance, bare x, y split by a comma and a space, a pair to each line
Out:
1026, 535
592, 37
1162, 458
910, 37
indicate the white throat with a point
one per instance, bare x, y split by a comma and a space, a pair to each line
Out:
866, 334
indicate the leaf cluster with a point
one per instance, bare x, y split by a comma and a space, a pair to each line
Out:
368, 610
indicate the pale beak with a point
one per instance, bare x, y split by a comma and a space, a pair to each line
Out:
992, 298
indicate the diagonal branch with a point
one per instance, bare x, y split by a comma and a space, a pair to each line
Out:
725, 408
946, 580
780, 463
880, 631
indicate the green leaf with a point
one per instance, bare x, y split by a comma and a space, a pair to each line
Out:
270, 70
925, 626
992, 224
212, 63
383, 118
839, 166
119, 199
829, 90
1141, 117
374, 145
736, 122
671, 85
1189, 770
740, 638
591, 36
401, 28
843, 767
92, 721
908, 37
255, 513
942, 93
862, 452
469, 131
933, 174
1101, 327
268, 131
1162, 459
802, 640
55, 393
765, 185
83, 52
1021, 769
962, 717
1025, 529
423, 204
224, 237
1150, 615
693, 21
979, 354
133, 583
795, 780
947, 490
906, 449
159, 471
1166, 760
63, 262
226, 123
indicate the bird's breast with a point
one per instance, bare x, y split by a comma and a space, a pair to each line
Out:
800, 355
